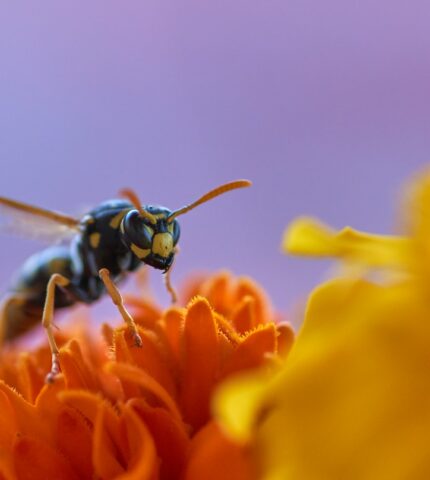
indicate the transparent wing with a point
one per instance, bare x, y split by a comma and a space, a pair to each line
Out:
34, 222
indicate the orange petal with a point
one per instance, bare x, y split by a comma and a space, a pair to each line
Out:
74, 368
35, 460
108, 449
149, 357
144, 312
48, 408
107, 332
252, 351
226, 327
244, 316
170, 437
28, 422
172, 325
7, 471
7, 434
201, 360
192, 287
136, 376
216, 290
214, 457
89, 404
30, 376
246, 287
8, 422
123, 352
226, 348
74, 441
143, 462
106, 457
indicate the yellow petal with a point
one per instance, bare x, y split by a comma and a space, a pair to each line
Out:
352, 399
306, 236
237, 402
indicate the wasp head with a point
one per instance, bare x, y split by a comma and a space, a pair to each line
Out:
153, 242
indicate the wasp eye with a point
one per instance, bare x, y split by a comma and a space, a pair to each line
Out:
175, 231
136, 231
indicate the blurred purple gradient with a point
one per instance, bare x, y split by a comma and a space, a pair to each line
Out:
324, 105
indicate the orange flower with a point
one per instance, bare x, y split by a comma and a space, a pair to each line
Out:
123, 412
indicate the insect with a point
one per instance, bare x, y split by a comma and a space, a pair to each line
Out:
114, 238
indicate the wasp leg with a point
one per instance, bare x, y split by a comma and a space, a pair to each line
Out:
118, 301
168, 281
48, 314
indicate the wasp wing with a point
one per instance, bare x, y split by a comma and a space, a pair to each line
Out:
34, 222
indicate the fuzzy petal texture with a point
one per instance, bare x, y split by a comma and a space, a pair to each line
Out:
122, 412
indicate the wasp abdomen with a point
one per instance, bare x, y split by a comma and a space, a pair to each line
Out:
37, 270
23, 307
18, 315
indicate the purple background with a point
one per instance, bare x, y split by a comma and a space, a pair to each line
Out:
323, 104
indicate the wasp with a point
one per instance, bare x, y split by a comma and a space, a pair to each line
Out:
111, 240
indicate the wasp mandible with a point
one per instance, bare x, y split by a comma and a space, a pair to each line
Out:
114, 238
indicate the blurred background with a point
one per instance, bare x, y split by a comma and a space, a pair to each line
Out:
323, 105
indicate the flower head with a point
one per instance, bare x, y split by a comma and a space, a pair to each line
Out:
123, 412
352, 399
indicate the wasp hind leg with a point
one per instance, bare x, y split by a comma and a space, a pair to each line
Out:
118, 301
56, 280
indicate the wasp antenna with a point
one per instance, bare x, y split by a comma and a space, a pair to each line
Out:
226, 187
134, 199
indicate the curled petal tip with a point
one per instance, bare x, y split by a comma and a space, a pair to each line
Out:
307, 236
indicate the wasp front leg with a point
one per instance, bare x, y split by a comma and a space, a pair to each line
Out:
168, 282
118, 301
48, 314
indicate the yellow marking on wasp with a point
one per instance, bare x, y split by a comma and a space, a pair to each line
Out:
57, 265
95, 239
86, 220
162, 244
140, 252
116, 220
170, 228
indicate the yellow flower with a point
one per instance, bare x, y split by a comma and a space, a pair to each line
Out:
121, 412
352, 400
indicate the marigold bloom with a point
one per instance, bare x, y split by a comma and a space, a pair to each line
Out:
123, 412
352, 401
